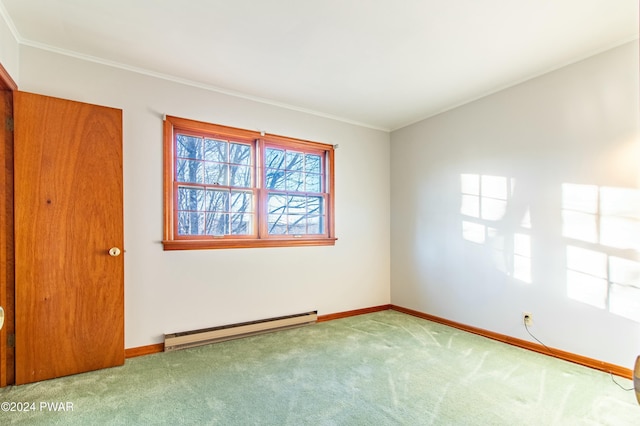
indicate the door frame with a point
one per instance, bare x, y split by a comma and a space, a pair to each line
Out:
7, 250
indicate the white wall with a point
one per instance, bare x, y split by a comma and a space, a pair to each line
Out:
169, 291
8, 49
577, 125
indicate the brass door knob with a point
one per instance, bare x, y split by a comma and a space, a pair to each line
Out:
114, 251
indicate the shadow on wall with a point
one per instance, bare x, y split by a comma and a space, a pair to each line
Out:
600, 232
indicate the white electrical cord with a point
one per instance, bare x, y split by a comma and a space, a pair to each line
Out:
550, 351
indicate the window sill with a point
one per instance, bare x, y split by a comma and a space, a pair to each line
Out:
245, 243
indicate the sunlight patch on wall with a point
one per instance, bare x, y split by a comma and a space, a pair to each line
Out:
620, 218
624, 294
522, 257
603, 224
484, 206
473, 232
579, 209
587, 276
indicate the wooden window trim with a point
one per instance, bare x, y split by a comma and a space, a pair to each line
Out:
260, 237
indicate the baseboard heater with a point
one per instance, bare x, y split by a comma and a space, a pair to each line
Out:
205, 336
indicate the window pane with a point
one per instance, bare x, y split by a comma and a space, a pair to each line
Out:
241, 224
217, 223
189, 171
241, 201
190, 223
190, 199
315, 206
295, 214
297, 205
312, 183
295, 161
294, 181
240, 176
217, 201
313, 164
274, 158
276, 204
275, 179
297, 224
215, 150
240, 153
215, 174
315, 225
188, 147
277, 224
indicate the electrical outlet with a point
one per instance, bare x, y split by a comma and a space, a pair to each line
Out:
527, 319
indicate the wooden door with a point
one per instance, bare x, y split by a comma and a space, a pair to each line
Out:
7, 86
68, 215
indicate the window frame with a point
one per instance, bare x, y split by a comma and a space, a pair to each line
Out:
259, 141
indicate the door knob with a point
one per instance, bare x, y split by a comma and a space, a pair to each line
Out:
1, 317
114, 251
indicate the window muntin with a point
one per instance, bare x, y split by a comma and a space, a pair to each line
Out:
211, 178
295, 191
213, 162
227, 187
218, 212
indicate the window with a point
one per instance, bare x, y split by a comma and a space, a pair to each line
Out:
234, 188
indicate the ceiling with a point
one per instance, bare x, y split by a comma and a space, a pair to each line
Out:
379, 63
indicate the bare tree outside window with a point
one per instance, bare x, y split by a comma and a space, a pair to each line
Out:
227, 185
295, 201
222, 167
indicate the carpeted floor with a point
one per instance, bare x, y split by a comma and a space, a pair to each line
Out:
385, 368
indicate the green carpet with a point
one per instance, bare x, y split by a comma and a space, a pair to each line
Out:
385, 368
